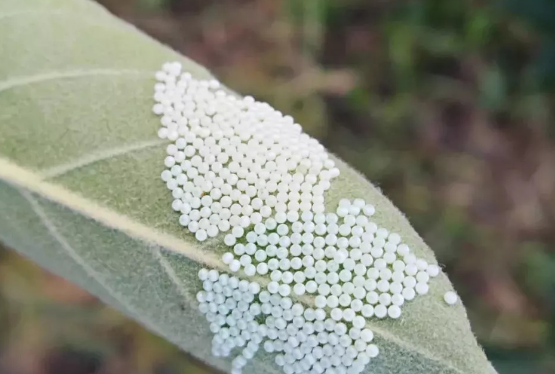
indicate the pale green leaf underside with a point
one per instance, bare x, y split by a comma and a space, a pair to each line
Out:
80, 191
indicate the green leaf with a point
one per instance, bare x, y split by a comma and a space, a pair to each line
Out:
80, 191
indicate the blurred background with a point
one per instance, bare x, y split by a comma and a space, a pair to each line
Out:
446, 105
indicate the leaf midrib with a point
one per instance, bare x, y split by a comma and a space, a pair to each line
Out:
28, 180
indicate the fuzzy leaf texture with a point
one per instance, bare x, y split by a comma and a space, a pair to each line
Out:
80, 192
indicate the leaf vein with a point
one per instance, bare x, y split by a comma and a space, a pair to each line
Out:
35, 206
94, 157
48, 76
170, 272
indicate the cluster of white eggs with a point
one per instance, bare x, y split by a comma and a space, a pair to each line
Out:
234, 162
304, 339
351, 265
229, 306
241, 168
355, 271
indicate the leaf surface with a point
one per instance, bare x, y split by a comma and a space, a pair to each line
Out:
80, 192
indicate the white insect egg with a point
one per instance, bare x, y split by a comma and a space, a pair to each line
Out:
403, 250
450, 298
229, 240
359, 203
421, 288
344, 203
380, 311
299, 289
409, 282
311, 286
342, 211
227, 258
422, 265
408, 293
394, 311
359, 322
433, 270
389, 257
395, 288
422, 277
410, 259
273, 287
369, 210
234, 266
372, 351
376, 252
237, 232
411, 269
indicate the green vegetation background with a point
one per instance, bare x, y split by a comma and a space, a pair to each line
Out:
447, 105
